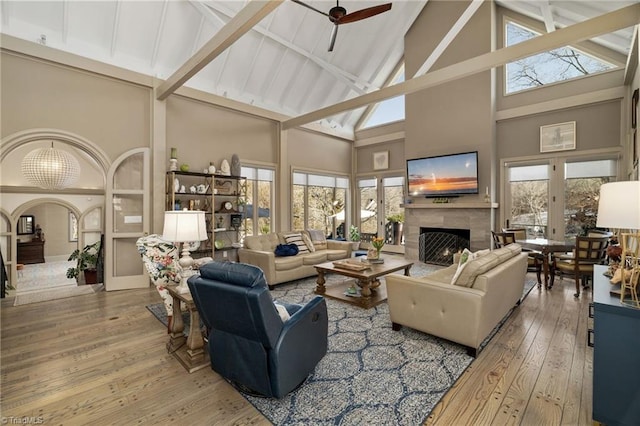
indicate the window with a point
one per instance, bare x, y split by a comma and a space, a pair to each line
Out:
393, 195
556, 65
368, 208
319, 202
389, 110
581, 191
557, 199
528, 191
259, 192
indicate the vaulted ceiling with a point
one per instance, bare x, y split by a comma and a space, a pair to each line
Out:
281, 63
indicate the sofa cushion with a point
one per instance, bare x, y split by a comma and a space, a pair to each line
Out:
318, 239
333, 254
267, 242
314, 258
288, 263
296, 239
476, 267
482, 264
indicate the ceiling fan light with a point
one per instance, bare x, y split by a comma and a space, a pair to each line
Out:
50, 168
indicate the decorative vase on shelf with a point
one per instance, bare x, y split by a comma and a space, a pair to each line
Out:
212, 168
173, 164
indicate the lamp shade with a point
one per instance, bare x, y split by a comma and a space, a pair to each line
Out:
184, 225
50, 168
619, 205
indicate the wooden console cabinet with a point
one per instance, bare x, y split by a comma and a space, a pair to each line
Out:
31, 252
616, 356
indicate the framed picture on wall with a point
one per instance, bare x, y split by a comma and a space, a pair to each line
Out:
558, 137
381, 160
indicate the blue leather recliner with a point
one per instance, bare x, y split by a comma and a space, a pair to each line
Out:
249, 344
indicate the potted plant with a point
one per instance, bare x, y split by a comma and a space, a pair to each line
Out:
87, 261
354, 236
394, 228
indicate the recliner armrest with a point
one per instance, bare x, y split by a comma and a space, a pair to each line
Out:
301, 345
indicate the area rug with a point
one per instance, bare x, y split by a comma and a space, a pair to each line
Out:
370, 374
58, 293
44, 276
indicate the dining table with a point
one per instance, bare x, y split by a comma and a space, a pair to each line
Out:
547, 247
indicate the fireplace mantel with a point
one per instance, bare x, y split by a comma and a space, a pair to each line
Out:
477, 205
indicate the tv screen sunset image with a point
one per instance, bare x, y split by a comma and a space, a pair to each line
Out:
452, 174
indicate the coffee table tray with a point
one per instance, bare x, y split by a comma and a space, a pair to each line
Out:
351, 265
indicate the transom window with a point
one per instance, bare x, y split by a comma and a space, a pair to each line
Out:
561, 64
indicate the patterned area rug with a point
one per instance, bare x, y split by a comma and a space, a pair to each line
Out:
371, 374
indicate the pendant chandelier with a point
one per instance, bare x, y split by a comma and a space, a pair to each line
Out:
50, 168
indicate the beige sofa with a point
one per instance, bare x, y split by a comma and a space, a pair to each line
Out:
259, 250
488, 287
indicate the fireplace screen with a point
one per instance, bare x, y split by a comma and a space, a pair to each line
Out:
438, 246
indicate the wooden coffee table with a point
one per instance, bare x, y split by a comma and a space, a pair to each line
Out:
372, 291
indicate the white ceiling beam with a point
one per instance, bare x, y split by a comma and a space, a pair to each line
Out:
622, 18
448, 38
632, 59
244, 20
65, 21
547, 16
349, 79
114, 30
159, 31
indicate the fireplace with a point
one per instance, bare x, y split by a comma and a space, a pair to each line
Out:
438, 245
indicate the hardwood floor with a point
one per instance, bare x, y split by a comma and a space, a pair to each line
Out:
101, 360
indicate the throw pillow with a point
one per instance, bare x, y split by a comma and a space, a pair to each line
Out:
286, 250
308, 243
318, 239
282, 311
465, 257
297, 240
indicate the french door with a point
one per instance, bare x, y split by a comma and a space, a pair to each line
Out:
555, 198
127, 219
381, 214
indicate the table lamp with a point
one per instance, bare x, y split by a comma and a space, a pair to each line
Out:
619, 208
184, 226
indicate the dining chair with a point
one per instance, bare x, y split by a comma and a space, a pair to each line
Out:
501, 239
588, 251
534, 258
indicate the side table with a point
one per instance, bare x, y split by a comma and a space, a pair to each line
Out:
193, 356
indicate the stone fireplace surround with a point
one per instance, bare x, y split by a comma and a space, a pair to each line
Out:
477, 217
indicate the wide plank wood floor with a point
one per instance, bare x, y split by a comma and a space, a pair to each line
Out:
101, 360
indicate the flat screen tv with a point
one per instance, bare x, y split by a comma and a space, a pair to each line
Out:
444, 175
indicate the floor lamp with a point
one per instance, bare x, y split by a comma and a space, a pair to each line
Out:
619, 208
185, 226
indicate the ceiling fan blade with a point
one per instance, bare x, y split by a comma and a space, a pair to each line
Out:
334, 34
311, 7
363, 14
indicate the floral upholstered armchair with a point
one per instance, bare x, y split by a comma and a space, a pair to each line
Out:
160, 258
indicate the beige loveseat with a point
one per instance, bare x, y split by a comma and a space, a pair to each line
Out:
259, 250
466, 312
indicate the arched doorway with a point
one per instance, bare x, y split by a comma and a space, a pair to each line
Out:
85, 202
